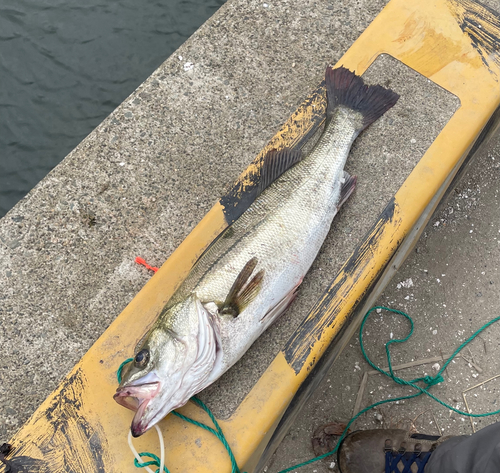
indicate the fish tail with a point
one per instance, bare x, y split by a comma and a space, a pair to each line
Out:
345, 88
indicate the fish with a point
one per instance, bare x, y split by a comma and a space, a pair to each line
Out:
250, 274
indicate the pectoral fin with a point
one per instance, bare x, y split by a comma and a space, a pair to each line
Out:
242, 293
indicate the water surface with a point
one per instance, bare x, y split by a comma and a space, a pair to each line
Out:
65, 65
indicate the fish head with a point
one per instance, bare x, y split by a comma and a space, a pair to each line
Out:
172, 363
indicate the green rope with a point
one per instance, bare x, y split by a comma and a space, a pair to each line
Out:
120, 369
155, 461
429, 381
218, 433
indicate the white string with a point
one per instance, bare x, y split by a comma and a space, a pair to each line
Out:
134, 451
139, 459
162, 449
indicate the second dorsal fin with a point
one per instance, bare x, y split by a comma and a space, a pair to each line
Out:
275, 163
244, 192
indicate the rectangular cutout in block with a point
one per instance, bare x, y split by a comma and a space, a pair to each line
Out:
382, 158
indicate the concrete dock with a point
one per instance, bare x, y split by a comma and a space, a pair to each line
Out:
139, 183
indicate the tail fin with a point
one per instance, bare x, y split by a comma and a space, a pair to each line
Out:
344, 87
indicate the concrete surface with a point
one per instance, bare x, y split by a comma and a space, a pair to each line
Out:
140, 182
450, 287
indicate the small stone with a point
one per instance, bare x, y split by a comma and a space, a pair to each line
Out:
407, 283
14, 244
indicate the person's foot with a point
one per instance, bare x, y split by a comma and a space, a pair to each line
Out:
373, 451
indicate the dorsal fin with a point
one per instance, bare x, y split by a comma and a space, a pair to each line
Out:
244, 192
275, 163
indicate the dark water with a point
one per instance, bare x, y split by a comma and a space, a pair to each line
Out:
66, 64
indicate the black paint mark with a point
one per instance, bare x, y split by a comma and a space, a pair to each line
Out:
482, 25
21, 464
5, 449
71, 444
310, 331
25, 464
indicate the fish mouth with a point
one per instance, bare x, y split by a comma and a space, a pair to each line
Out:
136, 398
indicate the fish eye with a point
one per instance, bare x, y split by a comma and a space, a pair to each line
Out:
142, 358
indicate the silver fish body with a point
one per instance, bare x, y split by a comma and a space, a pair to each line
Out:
284, 230
195, 340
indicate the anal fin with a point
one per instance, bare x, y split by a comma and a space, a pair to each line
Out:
347, 188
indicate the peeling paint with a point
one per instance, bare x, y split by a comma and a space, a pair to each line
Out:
65, 440
326, 309
482, 25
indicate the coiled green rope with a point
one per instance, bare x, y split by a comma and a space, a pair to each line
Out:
429, 381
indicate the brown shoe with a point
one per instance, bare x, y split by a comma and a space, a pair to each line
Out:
386, 450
